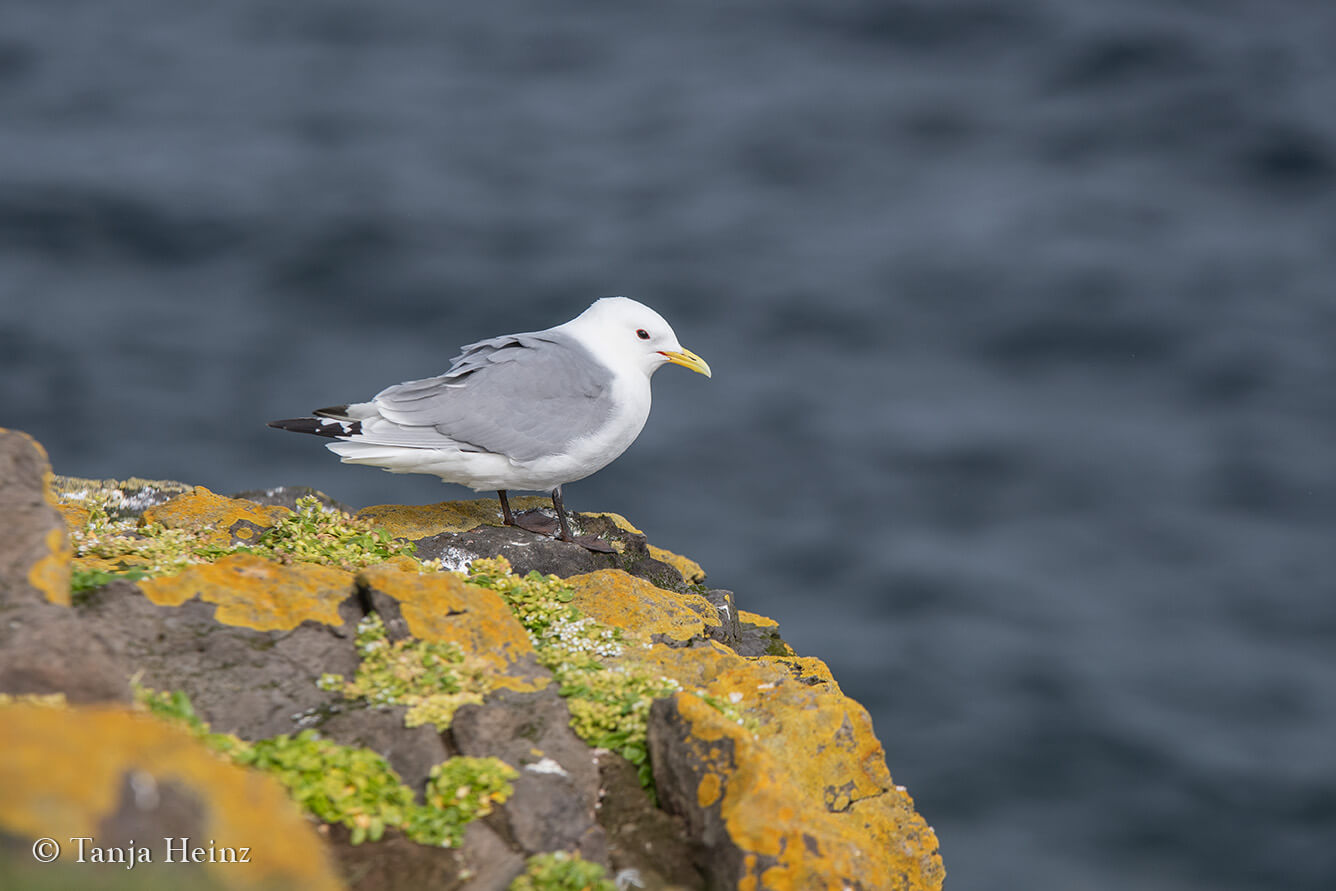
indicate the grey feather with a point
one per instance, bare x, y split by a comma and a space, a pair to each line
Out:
524, 396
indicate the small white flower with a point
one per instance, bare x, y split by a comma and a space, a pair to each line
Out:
628, 878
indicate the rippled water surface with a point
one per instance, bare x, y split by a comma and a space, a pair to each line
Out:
1021, 316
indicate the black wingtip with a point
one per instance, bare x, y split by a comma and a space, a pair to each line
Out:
334, 411
319, 427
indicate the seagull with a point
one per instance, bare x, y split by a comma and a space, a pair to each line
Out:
529, 411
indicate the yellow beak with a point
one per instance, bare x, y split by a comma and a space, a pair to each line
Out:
687, 359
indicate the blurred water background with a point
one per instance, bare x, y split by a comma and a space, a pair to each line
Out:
1021, 315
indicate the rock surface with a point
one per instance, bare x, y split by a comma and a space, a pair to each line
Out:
548, 702
557, 790
34, 550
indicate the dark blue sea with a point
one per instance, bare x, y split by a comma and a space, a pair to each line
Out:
1022, 318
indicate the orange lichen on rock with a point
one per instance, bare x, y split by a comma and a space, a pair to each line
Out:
414, 521
253, 592
75, 515
65, 771
802, 792
690, 569
694, 666
707, 792
614, 597
220, 519
808, 669
616, 519
747, 617
51, 573
443, 608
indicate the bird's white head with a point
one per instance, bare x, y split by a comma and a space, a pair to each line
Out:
627, 332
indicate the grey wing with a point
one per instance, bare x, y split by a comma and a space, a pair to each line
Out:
524, 396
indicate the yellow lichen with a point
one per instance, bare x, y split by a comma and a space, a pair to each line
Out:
211, 517
750, 618
707, 791
807, 669
64, 770
253, 592
807, 797
614, 597
420, 521
51, 573
442, 607
693, 666
76, 516
617, 520
690, 569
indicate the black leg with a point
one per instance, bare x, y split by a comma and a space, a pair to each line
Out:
561, 515
506, 516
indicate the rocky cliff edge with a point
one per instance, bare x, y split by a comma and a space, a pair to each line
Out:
407, 697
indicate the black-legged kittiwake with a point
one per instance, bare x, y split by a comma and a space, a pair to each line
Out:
528, 411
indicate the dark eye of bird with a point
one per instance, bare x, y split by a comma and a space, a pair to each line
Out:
642, 334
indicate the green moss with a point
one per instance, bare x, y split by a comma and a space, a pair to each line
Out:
610, 709
125, 549
459, 791
354, 786
432, 679
314, 533
609, 704
83, 580
120, 548
337, 783
560, 871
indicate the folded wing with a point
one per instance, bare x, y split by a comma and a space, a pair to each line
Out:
524, 396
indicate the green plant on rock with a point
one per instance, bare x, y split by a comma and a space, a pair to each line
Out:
433, 679
459, 791
353, 786
175, 707
128, 550
83, 580
337, 783
313, 533
358, 788
610, 709
609, 703
562, 871
121, 548
563, 637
